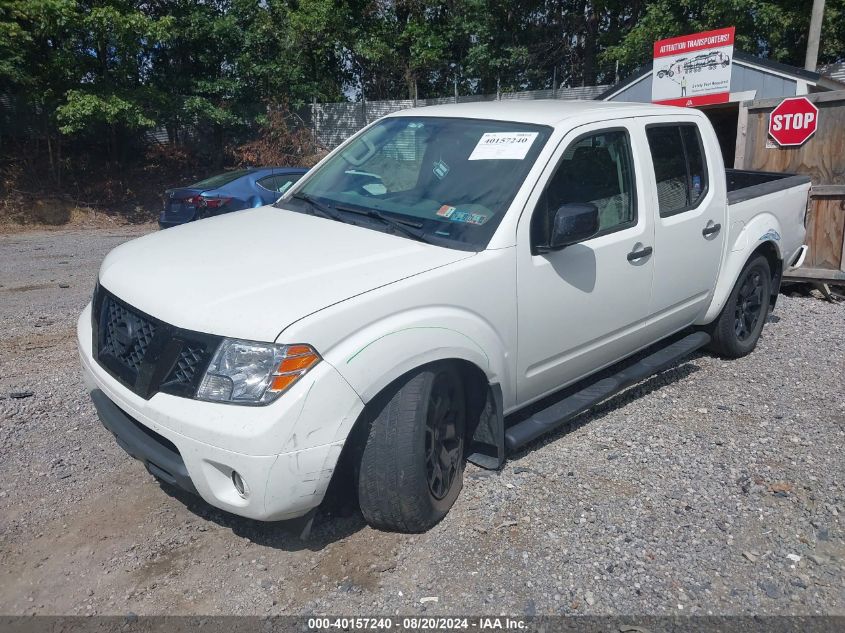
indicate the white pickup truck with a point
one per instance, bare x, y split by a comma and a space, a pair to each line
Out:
441, 270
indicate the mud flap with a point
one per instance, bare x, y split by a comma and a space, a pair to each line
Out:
487, 449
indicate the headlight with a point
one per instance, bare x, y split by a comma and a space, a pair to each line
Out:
244, 372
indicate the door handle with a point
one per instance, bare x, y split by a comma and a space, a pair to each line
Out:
635, 255
711, 229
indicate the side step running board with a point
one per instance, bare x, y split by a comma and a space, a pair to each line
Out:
564, 410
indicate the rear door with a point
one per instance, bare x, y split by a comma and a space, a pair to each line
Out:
690, 204
583, 307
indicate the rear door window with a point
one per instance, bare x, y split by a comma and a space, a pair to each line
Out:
280, 183
220, 179
695, 163
680, 170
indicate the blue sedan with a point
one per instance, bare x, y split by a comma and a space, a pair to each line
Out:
229, 191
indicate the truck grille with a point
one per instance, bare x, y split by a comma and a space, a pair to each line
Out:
127, 335
191, 358
146, 354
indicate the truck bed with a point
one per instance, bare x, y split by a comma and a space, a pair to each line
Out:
778, 201
746, 184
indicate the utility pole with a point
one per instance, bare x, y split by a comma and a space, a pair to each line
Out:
456, 68
363, 99
814, 35
314, 116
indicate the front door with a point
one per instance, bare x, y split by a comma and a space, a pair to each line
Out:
583, 307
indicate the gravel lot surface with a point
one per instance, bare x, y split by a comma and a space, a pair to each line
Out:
716, 487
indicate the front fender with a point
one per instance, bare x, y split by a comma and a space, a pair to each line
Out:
385, 350
743, 240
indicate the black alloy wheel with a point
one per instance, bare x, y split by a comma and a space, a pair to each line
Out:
749, 303
737, 329
444, 431
411, 466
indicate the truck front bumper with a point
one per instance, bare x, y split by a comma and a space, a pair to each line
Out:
285, 453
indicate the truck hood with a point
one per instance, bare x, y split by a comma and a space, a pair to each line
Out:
252, 273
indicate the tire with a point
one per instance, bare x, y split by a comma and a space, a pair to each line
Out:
399, 488
737, 329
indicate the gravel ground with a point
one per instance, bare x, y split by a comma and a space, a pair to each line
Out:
716, 487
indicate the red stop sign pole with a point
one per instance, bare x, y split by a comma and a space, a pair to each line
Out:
793, 121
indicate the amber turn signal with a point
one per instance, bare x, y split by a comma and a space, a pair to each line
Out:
280, 383
297, 361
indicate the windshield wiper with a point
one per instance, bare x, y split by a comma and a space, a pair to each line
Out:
407, 227
320, 208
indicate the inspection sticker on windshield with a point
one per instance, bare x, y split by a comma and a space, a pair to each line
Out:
470, 218
503, 145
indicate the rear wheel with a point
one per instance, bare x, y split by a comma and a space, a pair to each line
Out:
737, 329
411, 468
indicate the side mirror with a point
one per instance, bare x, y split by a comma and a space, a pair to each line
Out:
573, 222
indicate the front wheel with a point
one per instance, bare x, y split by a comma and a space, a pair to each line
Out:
737, 329
411, 468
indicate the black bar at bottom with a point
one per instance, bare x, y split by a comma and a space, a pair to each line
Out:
567, 408
161, 460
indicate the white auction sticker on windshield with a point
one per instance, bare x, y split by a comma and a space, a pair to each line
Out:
503, 146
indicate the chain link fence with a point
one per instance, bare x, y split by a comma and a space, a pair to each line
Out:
333, 123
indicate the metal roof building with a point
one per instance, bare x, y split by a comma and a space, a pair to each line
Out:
752, 78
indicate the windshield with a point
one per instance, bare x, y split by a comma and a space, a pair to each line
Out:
452, 179
219, 180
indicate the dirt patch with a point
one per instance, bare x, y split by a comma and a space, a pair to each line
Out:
355, 564
27, 288
58, 214
42, 340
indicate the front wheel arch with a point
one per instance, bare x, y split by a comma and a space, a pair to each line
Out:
475, 382
414, 434
344, 483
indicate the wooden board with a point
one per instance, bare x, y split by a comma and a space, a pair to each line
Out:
826, 233
822, 157
822, 275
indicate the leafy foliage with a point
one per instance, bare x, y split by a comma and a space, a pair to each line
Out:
209, 71
282, 139
775, 29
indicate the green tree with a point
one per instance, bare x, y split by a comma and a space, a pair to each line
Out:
112, 43
395, 49
775, 29
37, 66
106, 71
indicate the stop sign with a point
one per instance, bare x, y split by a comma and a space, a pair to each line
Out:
793, 121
